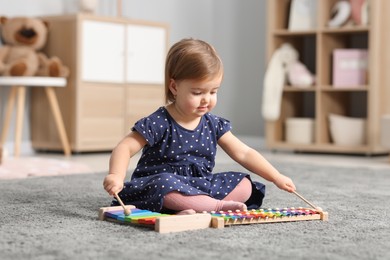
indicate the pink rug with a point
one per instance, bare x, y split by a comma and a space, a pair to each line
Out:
23, 167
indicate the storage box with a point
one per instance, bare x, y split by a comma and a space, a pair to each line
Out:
299, 130
385, 131
350, 67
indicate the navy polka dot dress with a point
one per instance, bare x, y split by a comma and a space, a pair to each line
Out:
178, 159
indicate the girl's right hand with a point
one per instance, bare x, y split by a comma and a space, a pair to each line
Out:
113, 184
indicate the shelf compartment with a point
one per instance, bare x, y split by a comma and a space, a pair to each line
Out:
305, 44
294, 104
345, 103
345, 39
332, 41
326, 13
298, 104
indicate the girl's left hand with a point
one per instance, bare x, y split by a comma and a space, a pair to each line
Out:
285, 183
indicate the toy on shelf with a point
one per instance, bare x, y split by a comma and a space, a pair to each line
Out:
349, 13
340, 14
302, 15
284, 66
21, 55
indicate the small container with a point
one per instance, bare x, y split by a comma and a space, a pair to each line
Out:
299, 130
350, 67
347, 131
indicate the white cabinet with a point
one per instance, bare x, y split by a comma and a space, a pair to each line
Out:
146, 50
121, 53
102, 51
116, 77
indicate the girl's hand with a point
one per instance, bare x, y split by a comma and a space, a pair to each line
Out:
113, 184
285, 183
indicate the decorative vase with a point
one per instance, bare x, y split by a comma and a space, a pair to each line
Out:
88, 6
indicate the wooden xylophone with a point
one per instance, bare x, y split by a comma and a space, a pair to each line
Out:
164, 223
227, 218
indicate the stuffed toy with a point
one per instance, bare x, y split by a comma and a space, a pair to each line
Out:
275, 79
284, 67
23, 39
298, 75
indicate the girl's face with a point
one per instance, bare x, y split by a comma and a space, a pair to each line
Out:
195, 98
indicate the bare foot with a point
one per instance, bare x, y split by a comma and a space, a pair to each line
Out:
186, 212
233, 205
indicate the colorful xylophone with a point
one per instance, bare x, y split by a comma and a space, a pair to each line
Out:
164, 223
227, 218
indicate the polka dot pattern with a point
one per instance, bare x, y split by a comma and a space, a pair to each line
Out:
178, 159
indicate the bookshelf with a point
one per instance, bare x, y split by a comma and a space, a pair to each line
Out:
315, 46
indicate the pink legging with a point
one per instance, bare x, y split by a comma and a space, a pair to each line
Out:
234, 200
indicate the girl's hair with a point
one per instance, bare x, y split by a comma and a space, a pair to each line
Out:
191, 59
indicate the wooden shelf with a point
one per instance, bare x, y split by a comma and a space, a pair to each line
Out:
284, 32
298, 89
315, 48
331, 88
326, 148
348, 30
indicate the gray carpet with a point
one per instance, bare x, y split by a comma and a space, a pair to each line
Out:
56, 218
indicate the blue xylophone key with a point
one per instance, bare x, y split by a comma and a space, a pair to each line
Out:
114, 214
120, 215
136, 213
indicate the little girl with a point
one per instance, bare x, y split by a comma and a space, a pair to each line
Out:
179, 144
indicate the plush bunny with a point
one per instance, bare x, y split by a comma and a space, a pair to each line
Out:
274, 80
299, 76
283, 67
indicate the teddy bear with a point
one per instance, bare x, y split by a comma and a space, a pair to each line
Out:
23, 39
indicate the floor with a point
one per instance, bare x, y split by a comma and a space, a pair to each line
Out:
99, 161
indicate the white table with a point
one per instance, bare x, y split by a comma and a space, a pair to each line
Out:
18, 90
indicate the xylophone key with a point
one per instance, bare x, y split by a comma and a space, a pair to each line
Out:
137, 216
147, 221
114, 214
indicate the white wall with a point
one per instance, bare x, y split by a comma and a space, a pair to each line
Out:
236, 28
239, 35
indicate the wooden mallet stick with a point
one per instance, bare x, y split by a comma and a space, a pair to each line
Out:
126, 210
305, 200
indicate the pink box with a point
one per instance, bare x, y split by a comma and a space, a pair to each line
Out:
350, 67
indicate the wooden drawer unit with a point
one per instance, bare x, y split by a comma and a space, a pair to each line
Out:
116, 76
